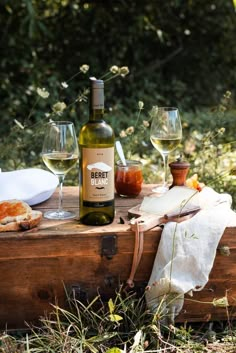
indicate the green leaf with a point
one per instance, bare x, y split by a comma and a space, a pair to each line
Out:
111, 306
114, 317
102, 337
114, 350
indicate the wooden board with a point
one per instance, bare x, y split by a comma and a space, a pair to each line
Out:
148, 220
37, 265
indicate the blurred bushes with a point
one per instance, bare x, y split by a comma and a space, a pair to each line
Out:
179, 52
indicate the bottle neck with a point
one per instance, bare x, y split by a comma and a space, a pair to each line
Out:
96, 103
96, 114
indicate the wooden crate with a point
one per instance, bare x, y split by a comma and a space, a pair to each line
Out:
37, 265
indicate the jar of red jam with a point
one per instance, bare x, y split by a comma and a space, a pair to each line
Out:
129, 178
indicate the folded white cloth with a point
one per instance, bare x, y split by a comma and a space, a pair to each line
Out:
186, 253
32, 185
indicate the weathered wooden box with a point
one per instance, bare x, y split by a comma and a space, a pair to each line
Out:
37, 265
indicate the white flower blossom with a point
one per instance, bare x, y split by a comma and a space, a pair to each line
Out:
123, 134
84, 68
59, 107
145, 123
124, 70
114, 69
129, 130
221, 131
19, 124
64, 85
222, 108
42, 92
140, 105
227, 94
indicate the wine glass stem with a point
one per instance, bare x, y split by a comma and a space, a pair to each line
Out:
165, 161
61, 179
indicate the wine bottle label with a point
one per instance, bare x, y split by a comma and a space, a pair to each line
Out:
98, 176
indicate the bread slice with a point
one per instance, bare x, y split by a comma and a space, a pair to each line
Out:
17, 215
14, 210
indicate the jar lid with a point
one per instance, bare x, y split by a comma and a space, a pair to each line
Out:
179, 164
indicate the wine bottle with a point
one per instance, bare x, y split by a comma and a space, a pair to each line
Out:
96, 143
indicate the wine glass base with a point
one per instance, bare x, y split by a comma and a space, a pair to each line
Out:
162, 189
59, 214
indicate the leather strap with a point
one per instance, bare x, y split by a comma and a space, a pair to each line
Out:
138, 250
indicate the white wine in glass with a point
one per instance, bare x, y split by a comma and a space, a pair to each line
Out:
60, 153
165, 135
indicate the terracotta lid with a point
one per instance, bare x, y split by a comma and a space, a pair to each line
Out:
179, 164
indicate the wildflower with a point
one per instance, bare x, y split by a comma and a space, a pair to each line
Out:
187, 32
16, 102
190, 146
42, 92
112, 316
64, 85
124, 70
223, 302
59, 107
30, 90
129, 130
83, 96
114, 69
222, 108
145, 123
134, 136
140, 105
19, 124
84, 68
123, 134
227, 94
160, 34
221, 131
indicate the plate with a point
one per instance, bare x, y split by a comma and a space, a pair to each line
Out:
32, 185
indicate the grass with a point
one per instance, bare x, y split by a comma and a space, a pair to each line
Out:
124, 324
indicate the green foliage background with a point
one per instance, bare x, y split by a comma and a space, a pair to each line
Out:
180, 53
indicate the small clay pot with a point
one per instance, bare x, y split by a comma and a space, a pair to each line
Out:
179, 170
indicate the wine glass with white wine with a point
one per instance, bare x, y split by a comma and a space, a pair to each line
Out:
60, 153
165, 135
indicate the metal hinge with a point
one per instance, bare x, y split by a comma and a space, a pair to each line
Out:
109, 246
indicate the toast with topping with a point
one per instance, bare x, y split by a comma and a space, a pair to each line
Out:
17, 215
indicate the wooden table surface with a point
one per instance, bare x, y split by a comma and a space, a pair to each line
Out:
71, 202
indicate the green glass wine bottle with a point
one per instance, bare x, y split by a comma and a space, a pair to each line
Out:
96, 143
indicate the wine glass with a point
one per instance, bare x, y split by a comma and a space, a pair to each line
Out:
60, 153
165, 135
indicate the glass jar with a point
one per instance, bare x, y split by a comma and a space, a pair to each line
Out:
129, 178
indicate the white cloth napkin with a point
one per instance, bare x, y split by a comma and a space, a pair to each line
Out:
32, 185
186, 253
